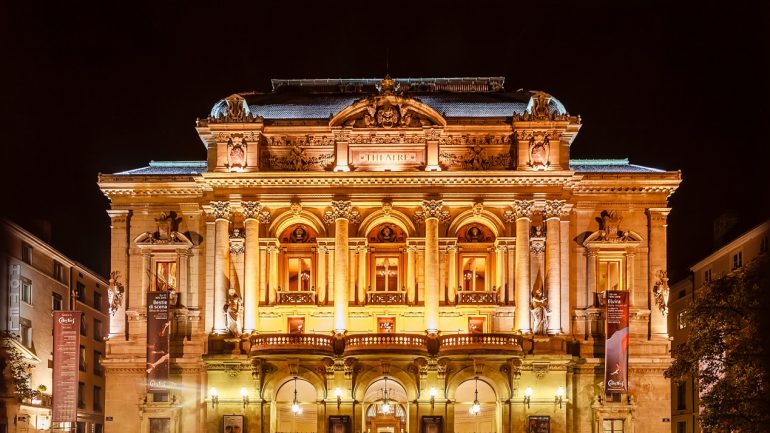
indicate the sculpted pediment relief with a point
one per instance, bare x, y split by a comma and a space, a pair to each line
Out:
387, 111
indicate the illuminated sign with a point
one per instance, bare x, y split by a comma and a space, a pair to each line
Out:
387, 159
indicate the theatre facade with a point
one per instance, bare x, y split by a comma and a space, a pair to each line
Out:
386, 256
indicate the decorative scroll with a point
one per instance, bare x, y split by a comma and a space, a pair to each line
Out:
522, 208
386, 298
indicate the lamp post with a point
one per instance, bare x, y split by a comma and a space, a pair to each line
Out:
386, 404
476, 406
295, 407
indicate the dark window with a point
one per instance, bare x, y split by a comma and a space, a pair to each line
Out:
681, 427
160, 425
612, 426
56, 302
26, 253
81, 292
98, 428
707, 276
83, 327
81, 426
97, 399
97, 365
98, 300
25, 329
738, 260
98, 335
58, 271
81, 398
682, 294
82, 360
681, 396
763, 245
26, 290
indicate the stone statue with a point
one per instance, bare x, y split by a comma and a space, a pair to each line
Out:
233, 310
296, 158
115, 292
539, 311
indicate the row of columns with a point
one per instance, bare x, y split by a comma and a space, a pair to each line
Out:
431, 214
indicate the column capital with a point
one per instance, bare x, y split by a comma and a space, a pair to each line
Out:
251, 209
341, 209
220, 210
432, 209
554, 208
658, 214
522, 208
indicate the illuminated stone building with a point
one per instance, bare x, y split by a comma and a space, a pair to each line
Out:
405, 255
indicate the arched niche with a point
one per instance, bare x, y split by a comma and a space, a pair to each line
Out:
486, 419
475, 232
299, 233
386, 233
294, 406
409, 112
391, 217
287, 219
369, 376
476, 216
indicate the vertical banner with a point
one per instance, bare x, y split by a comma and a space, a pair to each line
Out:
14, 298
158, 329
616, 345
66, 351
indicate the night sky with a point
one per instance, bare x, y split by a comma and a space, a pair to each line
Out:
671, 85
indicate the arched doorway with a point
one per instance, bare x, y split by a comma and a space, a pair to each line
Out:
295, 407
483, 417
386, 411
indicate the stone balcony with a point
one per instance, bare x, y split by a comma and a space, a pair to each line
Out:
296, 297
390, 343
385, 298
472, 297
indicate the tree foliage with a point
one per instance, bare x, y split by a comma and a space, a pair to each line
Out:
726, 350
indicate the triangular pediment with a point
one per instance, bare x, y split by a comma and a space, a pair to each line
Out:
605, 239
387, 111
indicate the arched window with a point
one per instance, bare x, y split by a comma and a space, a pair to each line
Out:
295, 407
475, 241
484, 417
298, 243
387, 274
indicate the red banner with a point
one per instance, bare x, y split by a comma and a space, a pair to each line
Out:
66, 351
158, 330
616, 345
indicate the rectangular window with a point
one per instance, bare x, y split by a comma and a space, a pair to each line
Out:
681, 396
737, 260
386, 273
160, 425
81, 397
56, 302
26, 253
83, 328
97, 403
165, 276
299, 274
82, 359
610, 275
98, 330
763, 245
680, 319
707, 276
80, 427
26, 290
25, 331
474, 273
58, 271
98, 428
97, 365
81, 292
612, 426
681, 427
97, 300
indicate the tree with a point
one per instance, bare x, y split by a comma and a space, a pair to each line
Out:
726, 350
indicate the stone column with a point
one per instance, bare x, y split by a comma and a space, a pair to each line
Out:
146, 274
251, 211
432, 211
500, 252
362, 274
551, 213
630, 256
522, 212
565, 269
221, 211
341, 214
321, 280
272, 254
452, 269
657, 261
411, 286
119, 268
591, 270
184, 277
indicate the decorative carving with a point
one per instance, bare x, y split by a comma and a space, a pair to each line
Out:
386, 233
387, 208
388, 111
537, 231
264, 216
296, 209
298, 234
478, 208
475, 232
341, 209
237, 110
387, 138
540, 312
432, 209
233, 310
296, 160
540, 108
522, 208
661, 291
476, 159
537, 246
298, 297
509, 216
553, 208
540, 369
475, 140
115, 292
251, 209
609, 226
167, 226
539, 151
220, 209
236, 153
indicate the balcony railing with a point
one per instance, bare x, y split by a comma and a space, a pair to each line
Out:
476, 297
296, 297
386, 342
385, 298
285, 343
481, 342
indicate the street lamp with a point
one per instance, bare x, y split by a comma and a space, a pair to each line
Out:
527, 396
386, 405
214, 395
295, 407
559, 395
476, 406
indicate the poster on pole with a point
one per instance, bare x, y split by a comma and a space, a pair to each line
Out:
66, 344
158, 330
616, 345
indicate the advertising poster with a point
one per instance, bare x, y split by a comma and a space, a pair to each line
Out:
66, 344
158, 330
616, 345
233, 423
539, 424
